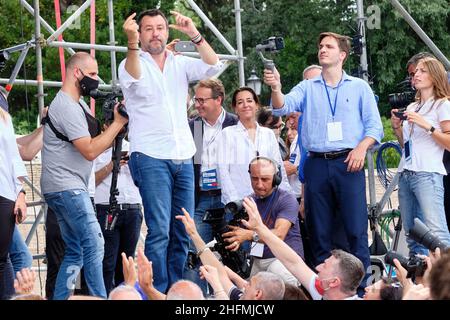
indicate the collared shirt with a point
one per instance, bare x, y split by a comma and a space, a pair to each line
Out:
128, 192
11, 165
156, 105
236, 150
426, 153
210, 136
295, 155
356, 109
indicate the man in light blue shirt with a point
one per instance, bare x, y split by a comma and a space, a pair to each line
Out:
340, 122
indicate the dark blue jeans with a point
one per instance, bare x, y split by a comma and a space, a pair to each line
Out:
83, 239
331, 188
123, 238
165, 187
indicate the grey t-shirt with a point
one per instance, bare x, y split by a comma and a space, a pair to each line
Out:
63, 166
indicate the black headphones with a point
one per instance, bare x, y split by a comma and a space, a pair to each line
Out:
276, 180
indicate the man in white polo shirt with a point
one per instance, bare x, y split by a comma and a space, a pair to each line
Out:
155, 86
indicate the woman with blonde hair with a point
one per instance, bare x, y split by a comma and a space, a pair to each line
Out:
424, 135
12, 199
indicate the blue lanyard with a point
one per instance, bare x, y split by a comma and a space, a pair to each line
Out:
265, 216
332, 109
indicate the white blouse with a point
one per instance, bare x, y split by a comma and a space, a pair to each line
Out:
11, 165
236, 150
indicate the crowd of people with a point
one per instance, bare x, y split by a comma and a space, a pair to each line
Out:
303, 231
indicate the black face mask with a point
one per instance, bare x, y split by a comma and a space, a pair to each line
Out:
87, 84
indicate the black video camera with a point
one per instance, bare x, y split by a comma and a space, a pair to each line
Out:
272, 44
238, 261
423, 235
415, 266
403, 99
111, 98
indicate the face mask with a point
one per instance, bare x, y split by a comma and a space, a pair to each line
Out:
87, 84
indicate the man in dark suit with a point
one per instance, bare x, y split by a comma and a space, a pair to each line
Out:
206, 129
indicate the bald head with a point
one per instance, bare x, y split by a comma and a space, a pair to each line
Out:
80, 60
124, 293
185, 290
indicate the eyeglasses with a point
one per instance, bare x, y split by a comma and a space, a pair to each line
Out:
277, 126
201, 101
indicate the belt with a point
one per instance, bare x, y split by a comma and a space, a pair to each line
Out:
330, 155
211, 193
123, 206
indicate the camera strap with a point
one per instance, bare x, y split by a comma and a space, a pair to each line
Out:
267, 215
92, 122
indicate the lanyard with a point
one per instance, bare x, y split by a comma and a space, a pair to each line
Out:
266, 216
332, 109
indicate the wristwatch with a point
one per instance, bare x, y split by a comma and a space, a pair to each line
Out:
255, 237
431, 130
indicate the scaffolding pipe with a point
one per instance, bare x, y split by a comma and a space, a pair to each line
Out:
112, 42
39, 76
413, 24
53, 84
240, 51
69, 21
211, 26
43, 22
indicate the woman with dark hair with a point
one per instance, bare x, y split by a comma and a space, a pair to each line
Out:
424, 135
12, 199
267, 119
241, 143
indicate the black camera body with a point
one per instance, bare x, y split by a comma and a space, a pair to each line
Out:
415, 266
405, 97
239, 260
110, 100
272, 44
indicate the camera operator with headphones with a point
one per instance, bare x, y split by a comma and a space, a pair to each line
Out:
279, 212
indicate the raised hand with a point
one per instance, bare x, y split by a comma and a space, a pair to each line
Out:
24, 282
129, 270
184, 24
131, 29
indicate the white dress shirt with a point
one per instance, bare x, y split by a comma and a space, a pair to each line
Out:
236, 150
157, 105
11, 164
295, 183
128, 192
211, 134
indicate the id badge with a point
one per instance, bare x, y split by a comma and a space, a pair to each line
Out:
292, 158
334, 130
408, 149
209, 180
257, 249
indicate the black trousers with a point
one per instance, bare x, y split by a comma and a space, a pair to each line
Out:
447, 198
7, 220
54, 251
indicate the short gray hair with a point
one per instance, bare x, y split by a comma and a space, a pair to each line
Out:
313, 66
350, 271
185, 290
271, 284
129, 290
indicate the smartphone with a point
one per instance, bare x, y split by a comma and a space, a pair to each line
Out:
185, 46
401, 115
19, 216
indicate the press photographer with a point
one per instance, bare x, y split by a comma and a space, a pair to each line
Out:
279, 212
71, 142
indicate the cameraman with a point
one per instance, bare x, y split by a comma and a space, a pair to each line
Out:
71, 142
125, 235
279, 212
